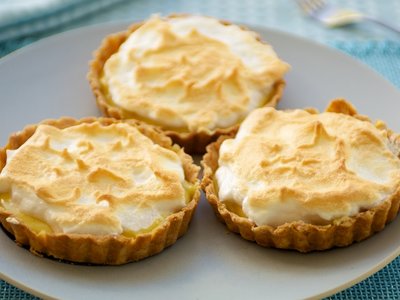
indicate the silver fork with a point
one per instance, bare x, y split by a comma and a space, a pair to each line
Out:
333, 16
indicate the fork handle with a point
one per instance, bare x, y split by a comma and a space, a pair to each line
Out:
382, 23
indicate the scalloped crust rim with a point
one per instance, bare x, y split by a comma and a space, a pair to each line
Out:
105, 250
300, 236
192, 142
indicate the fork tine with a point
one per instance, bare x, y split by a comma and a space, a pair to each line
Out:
303, 6
318, 3
332, 16
310, 6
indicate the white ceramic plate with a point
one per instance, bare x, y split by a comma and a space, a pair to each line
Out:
47, 80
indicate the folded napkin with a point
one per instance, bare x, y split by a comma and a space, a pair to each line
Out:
20, 18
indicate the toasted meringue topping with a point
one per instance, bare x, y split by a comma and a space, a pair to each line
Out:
191, 73
286, 166
93, 179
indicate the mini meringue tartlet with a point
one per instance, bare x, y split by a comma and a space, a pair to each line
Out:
195, 77
303, 180
96, 190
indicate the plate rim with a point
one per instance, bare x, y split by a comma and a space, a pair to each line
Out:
124, 24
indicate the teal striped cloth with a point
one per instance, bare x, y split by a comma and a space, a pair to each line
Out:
370, 44
27, 17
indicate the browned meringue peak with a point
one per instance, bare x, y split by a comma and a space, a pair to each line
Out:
294, 165
191, 73
94, 179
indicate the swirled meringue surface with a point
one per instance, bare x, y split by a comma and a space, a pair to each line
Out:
286, 166
191, 73
93, 179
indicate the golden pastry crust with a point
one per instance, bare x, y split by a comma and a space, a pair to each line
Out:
192, 142
107, 250
298, 235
